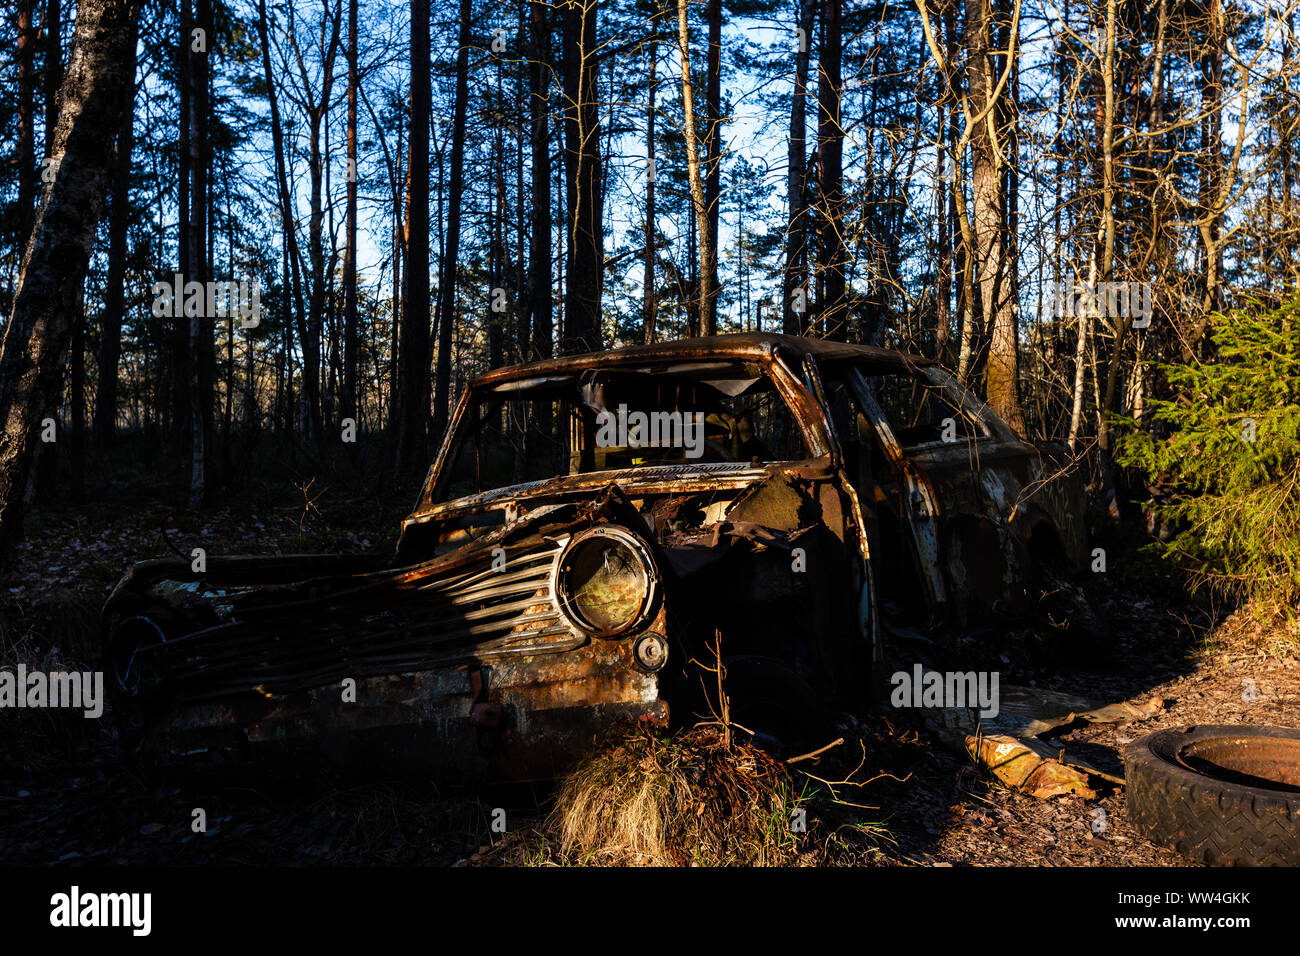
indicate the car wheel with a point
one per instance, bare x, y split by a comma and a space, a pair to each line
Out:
1222, 795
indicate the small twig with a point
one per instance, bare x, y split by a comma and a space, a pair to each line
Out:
162, 528
818, 752
724, 703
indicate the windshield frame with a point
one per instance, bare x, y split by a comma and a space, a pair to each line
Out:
802, 405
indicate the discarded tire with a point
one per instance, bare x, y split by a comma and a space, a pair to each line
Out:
1225, 795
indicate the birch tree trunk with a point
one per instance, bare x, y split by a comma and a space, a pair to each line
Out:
54, 267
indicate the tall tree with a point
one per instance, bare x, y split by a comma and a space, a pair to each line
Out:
316, 108
1210, 162
649, 293
182, 357
712, 156
541, 322
349, 403
450, 265
53, 68
48, 290
794, 299
707, 260
26, 132
944, 108
201, 345
288, 227
584, 199
1001, 374
413, 355
110, 336
833, 312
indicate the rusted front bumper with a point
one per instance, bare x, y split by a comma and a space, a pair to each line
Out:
522, 719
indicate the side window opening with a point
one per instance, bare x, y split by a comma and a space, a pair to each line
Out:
922, 412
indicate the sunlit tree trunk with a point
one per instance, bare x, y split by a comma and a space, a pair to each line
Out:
1001, 374
49, 284
706, 252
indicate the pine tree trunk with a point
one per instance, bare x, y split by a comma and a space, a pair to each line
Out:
712, 157
540, 303
26, 131
200, 324
833, 309
311, 342
53, 68
584, 199
110, 338
794, 303
178, 331
413, 355
706, 256
649, 296
1001, 374
349, 402
450, 265
288, 228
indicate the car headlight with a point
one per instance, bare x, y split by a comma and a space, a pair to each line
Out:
606, 581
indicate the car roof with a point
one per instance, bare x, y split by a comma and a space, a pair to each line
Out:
742, 345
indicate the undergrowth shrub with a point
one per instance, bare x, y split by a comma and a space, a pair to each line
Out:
1222, 454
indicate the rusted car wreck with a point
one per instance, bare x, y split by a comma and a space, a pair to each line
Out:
578, 554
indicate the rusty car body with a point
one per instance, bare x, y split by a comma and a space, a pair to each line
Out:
548, 585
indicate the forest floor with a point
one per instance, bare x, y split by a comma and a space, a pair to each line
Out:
66, 797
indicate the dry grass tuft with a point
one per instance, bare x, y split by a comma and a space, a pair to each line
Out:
686, 800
